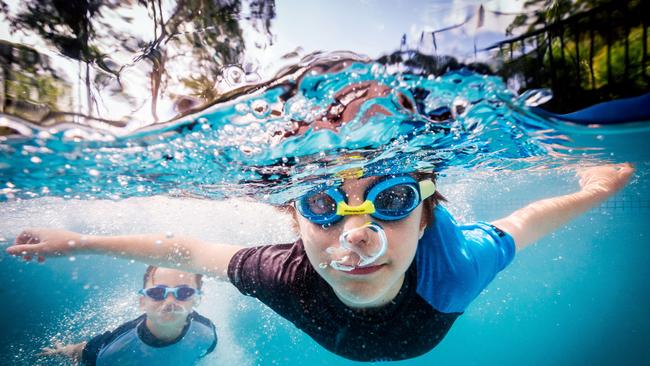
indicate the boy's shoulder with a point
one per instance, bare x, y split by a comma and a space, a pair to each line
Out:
456, 262
95, 345
210, 331
276, 274
109, 336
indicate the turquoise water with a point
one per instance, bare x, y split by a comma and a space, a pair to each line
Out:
575, 297
211, 170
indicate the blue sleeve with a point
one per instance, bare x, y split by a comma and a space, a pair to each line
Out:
490, 250
455, 263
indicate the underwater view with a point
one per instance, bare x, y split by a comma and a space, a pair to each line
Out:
233, 182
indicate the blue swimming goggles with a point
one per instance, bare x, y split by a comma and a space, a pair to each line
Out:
160, 292
388, 199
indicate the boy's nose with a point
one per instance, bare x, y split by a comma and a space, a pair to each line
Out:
356, 237
169, 298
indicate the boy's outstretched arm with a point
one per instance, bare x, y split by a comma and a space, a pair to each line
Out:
531, 223
183, 253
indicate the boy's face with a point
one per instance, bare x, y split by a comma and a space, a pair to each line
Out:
384, 281
170, 310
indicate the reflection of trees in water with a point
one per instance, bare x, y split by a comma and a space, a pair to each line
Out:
188, 44
67, 26
30, 86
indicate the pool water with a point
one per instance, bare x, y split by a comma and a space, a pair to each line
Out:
574, 297
213, 165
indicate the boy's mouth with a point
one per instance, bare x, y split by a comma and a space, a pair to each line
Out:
172, 309
365, 270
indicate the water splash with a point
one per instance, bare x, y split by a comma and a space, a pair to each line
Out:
327, 113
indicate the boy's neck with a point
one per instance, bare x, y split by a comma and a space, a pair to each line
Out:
166, 332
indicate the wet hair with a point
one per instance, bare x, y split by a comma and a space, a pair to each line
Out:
148, 275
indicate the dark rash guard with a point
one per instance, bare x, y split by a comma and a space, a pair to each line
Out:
453, 264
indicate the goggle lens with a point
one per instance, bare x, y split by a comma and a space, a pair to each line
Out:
156, 293
184, 293
321, 204
397, 201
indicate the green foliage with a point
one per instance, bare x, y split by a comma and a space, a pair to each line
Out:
575, 65
35, 88
30, 85
635, 54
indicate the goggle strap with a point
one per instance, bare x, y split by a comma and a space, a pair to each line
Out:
427, 189
343, 209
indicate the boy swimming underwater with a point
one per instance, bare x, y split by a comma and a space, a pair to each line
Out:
381, 270
168, 333
387, 290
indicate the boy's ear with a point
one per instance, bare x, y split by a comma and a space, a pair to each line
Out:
141, 301
291, 210
424, 222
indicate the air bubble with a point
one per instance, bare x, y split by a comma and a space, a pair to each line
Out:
260, 108
233, 75
242, 108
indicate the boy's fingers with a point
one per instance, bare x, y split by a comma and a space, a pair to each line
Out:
24, 249
27, 237
626, 169
47, 351
41, 259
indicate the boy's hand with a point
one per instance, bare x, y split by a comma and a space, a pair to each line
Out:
41, 243
72, 351
605, 179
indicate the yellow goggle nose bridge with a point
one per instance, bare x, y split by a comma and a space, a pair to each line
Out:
343, 209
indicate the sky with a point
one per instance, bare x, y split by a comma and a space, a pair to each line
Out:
375, 27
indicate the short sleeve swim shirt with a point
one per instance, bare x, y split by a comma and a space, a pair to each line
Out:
133, 344
452, 265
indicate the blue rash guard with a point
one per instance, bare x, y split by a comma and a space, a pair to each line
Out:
452, 265
133, 344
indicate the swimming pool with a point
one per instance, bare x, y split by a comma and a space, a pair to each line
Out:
575, 297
